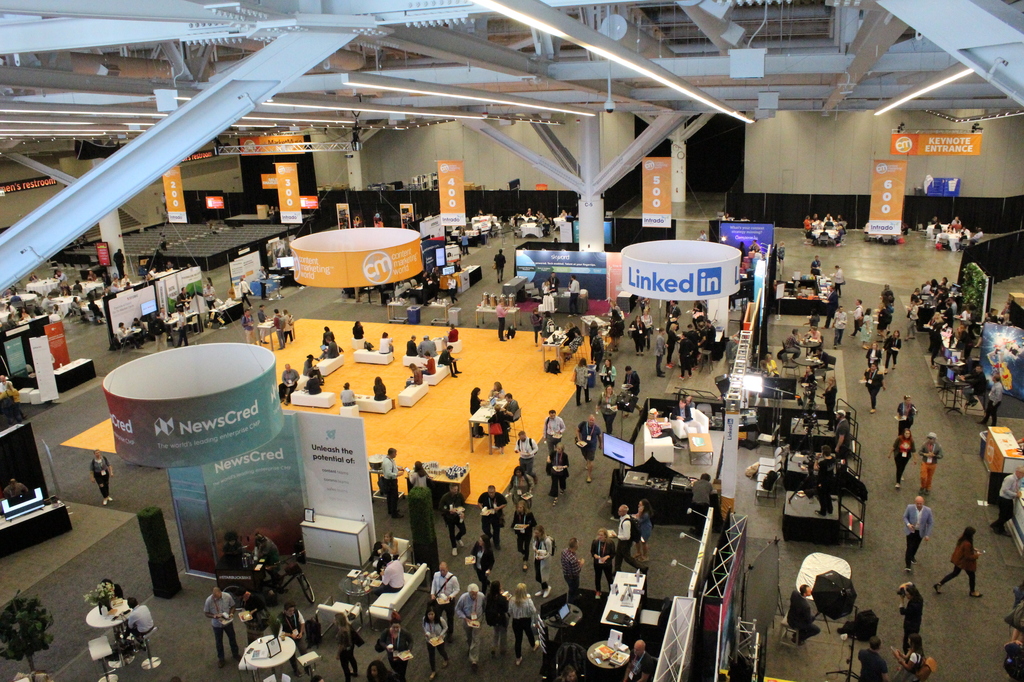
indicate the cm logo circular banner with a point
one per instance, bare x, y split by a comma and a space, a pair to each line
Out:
194, 405
362, 257
680, 270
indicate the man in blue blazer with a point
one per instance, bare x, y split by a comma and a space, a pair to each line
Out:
917, 526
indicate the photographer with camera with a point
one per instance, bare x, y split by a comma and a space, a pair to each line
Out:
912, 610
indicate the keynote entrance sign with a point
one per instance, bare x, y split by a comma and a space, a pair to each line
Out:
680, 270
357, 258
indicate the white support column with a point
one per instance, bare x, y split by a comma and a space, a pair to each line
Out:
678, 167
110, 232
591, 213
71, 212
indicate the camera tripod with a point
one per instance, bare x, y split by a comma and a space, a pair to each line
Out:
851, 638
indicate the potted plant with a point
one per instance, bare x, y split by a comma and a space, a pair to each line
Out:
23, 629
163, 571
421, 521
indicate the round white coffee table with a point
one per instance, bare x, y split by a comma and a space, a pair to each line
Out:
263, 661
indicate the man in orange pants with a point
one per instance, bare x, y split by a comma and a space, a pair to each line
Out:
931, 453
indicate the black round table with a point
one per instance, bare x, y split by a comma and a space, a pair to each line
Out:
599, 670
807, 362
810, 344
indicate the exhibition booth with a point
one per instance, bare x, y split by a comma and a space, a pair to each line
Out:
36, 359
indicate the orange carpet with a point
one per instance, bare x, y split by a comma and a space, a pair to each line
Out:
437, 427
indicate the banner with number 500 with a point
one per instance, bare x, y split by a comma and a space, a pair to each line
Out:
657, 192
451, 185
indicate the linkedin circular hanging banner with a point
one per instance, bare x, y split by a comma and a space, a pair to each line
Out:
362, 257
194, 405
680, 270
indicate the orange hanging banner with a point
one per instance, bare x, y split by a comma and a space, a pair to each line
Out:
288, 192
888, 187
451, 183
174, 196
936, 144
657, 192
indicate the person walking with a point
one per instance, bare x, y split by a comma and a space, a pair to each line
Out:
858, 316
522, 612
905, 413
523, 523
499, 265
913, 313
393, 641
588, 435
840, 327
435, 627
965, 558
1009, 491
875, 382
483, 560
838, 280
453, 511
660, 348
492, 515
542, 548
558, 470
348, 640
602, 549
101, 472
220, 609
893, 344
607, 404
469, 609
496, 616
628, 533
581, 377
994, 397
931, 453
912, 610
572, 565
537, 322
917, 526
873, 667
554, 427
903, 453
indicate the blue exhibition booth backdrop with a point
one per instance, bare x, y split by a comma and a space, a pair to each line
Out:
590, 268
734, 233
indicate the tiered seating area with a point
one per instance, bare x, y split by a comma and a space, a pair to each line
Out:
201, 242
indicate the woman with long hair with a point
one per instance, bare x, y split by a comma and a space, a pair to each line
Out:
522, 611
606, 403
380, 391
602, 549
348, 640
581, 377
483, 556
644, 512
497, 392
965, 558
912, 612
435, 627
377, 672
912, 657
903, 452
542, 560
474, 400
523, 523
496, 615
519, 486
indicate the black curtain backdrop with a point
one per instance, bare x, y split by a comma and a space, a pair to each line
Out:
714, 155
19, 459
991, 215
1001, 258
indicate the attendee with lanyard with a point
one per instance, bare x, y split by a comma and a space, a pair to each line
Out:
554, 427
450, 505
389, 482
491, 522
641, 665
1009, 491
445, 585
470, 608
435, 628
903, 453
520, 486
602, 550
917, 526
395, 640
558, 470
101, 472
931, 453
905, 412
293, 626
523, 523
875, 382
588, 435
220, 609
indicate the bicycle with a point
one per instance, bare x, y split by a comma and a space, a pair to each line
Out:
292, 569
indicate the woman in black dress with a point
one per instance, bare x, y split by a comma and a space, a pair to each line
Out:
504, 420
474, 400
829, 395
483, 557
380, 391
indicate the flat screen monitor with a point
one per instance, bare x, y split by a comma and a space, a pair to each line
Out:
23, 504
148, 307
214, 202
951, 374
564, 612
288, 262
440, 257
735, 233
619, 450
448, 270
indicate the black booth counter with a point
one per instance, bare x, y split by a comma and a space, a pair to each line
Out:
671, 506
33, 528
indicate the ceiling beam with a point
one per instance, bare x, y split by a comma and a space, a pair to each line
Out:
543, 164
462, 48
60, 176
655, 134
66, 81
165, 10
712, 18
60, 35
877, 34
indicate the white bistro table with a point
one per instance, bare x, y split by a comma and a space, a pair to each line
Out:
256, 656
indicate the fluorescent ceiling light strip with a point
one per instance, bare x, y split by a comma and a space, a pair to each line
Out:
51, 123
426, 90
65, 130
377, 110
924, 90
541, 26
290, 120
53, 112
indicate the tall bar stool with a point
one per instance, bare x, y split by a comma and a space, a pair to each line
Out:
99, 649
308, 662
151, 661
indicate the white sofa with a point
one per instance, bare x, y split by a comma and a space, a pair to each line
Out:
327, 613
454, 347
699, 424
328, 366
358, 344
410, 360
349, 411
442, 372
372, 357
660, 449
412, 394
366, 403
326, 399
394, 601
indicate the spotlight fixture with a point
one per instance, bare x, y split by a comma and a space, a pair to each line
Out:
901, 127
976, 128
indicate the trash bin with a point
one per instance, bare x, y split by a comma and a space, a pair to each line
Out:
984, 440
413, 314
591, 376
453, 316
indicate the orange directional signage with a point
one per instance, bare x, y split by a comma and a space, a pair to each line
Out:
936, 144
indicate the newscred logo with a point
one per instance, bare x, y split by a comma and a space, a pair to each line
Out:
121, 425
377, 267
164, 427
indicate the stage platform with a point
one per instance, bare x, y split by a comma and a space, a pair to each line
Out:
437, 427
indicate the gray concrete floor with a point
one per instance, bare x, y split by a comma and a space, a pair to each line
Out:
965, 635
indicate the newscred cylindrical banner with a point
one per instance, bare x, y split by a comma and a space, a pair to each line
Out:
288, 192
357, 258
174, 196
451, 185
194, 405
679, 270
657, 192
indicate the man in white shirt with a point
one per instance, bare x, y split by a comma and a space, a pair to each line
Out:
220, 609
624, 543
839, 279
527, 450
1008, 492
858, 316
574, 294
389, 482
471, 610
839, 323
140, 620
446, 584
393, 577
554, 427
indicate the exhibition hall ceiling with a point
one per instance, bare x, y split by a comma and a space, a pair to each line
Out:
92, 69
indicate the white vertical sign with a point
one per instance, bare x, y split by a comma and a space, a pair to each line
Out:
43, 362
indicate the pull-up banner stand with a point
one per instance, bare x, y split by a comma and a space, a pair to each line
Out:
288, 192
888, 186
